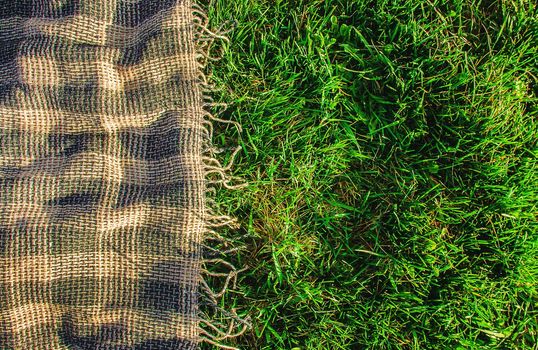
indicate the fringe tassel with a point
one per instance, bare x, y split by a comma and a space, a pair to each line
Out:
225, 324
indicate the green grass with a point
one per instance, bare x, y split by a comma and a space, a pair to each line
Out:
390, 150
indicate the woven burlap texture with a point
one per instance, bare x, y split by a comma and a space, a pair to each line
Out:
102, 174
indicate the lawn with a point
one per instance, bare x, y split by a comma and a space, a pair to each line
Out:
390, 151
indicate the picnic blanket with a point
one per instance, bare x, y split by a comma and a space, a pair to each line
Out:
102, 174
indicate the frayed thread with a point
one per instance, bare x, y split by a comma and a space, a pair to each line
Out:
223, 324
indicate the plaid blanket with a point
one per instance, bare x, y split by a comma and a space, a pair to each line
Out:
102, 186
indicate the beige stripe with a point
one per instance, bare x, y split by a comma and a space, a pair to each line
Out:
42, 71
186, 225
37, 72
53, 120
158, 217
31, 315
16, 327
141, 325
50, 268
105, 288
89, 166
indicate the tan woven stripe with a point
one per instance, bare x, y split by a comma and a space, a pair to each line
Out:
57, 267
140, 215
95, 166
140, 323
31, 315
42, 71
14, 119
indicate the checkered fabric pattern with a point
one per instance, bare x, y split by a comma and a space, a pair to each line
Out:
101, 175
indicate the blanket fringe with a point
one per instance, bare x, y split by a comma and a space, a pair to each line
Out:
220, 325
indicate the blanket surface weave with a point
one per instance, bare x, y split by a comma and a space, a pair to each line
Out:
101, 175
